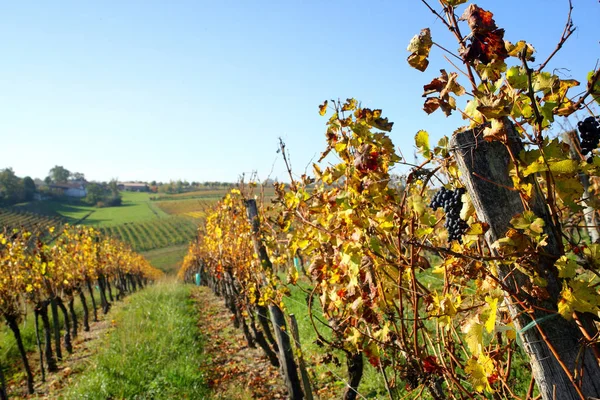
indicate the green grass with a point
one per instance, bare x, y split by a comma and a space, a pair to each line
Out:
154, 351
167, 259
136, 207
372, 384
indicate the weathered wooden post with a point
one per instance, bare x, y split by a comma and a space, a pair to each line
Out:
286, 355
301, 364
589, 214
484, 168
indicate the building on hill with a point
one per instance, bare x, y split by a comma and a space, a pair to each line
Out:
133, 187
69, 189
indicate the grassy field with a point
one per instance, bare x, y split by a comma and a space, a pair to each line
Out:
136, 207
167, 259
194, 208
152, 353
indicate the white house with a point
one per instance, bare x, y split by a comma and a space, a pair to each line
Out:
69, 189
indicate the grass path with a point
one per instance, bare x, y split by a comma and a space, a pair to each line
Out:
152, 350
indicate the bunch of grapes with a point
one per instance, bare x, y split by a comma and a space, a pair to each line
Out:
589, 130
450, 201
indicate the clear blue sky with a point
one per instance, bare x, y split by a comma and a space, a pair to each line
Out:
201, 90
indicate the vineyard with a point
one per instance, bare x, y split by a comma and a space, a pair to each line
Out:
194, 208
486, 257
52, 272
155, 233
16, 219
469, 271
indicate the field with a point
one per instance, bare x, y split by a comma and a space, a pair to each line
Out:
136, 207
167, 259
10, 219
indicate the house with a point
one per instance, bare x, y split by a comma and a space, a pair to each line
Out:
69, 189
133, 187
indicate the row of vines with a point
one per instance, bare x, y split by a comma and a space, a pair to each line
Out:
50, 271
486, 252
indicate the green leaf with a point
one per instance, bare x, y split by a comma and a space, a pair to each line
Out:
564, 167
517, 78
543, 82
596, 89
566, 267
422, 142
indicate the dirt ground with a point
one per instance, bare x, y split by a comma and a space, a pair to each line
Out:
234, 371
84, 345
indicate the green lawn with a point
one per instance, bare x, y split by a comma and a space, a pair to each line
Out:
136, 207
152, 353
167, 259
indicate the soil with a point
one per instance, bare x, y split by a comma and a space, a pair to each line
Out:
234, 370
84, 345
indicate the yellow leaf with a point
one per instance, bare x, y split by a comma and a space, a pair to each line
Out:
490, 323
479, 369
473, 331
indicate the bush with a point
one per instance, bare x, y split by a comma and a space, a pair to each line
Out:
115, 201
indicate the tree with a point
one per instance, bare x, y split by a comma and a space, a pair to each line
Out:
77, 176
95, 193
59, 174
113, 186
28, 188
10, 186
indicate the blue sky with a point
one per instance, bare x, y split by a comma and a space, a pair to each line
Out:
202, 90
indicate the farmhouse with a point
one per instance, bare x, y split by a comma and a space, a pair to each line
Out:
133, 187
69, 189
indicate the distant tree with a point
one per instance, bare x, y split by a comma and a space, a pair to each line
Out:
77, 176
28, 188
178, 187
113, 186
95, 193
153, 183
47, 180
11, 189
59, 174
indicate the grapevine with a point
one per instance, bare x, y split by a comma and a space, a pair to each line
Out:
442, 310
53, 269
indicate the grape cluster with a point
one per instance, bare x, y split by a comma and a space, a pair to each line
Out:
589, 130
450, 201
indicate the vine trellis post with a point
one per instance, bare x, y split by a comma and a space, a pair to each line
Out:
484, 172
286, 354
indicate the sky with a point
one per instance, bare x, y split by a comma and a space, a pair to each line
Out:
202, 90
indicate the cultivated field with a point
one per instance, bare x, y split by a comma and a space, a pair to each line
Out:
154, 233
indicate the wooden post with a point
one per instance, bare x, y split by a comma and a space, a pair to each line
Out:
484, 172
589, 213
286, 355
301, 364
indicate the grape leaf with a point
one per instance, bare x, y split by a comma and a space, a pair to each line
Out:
419, 46
422, 142
486, 41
